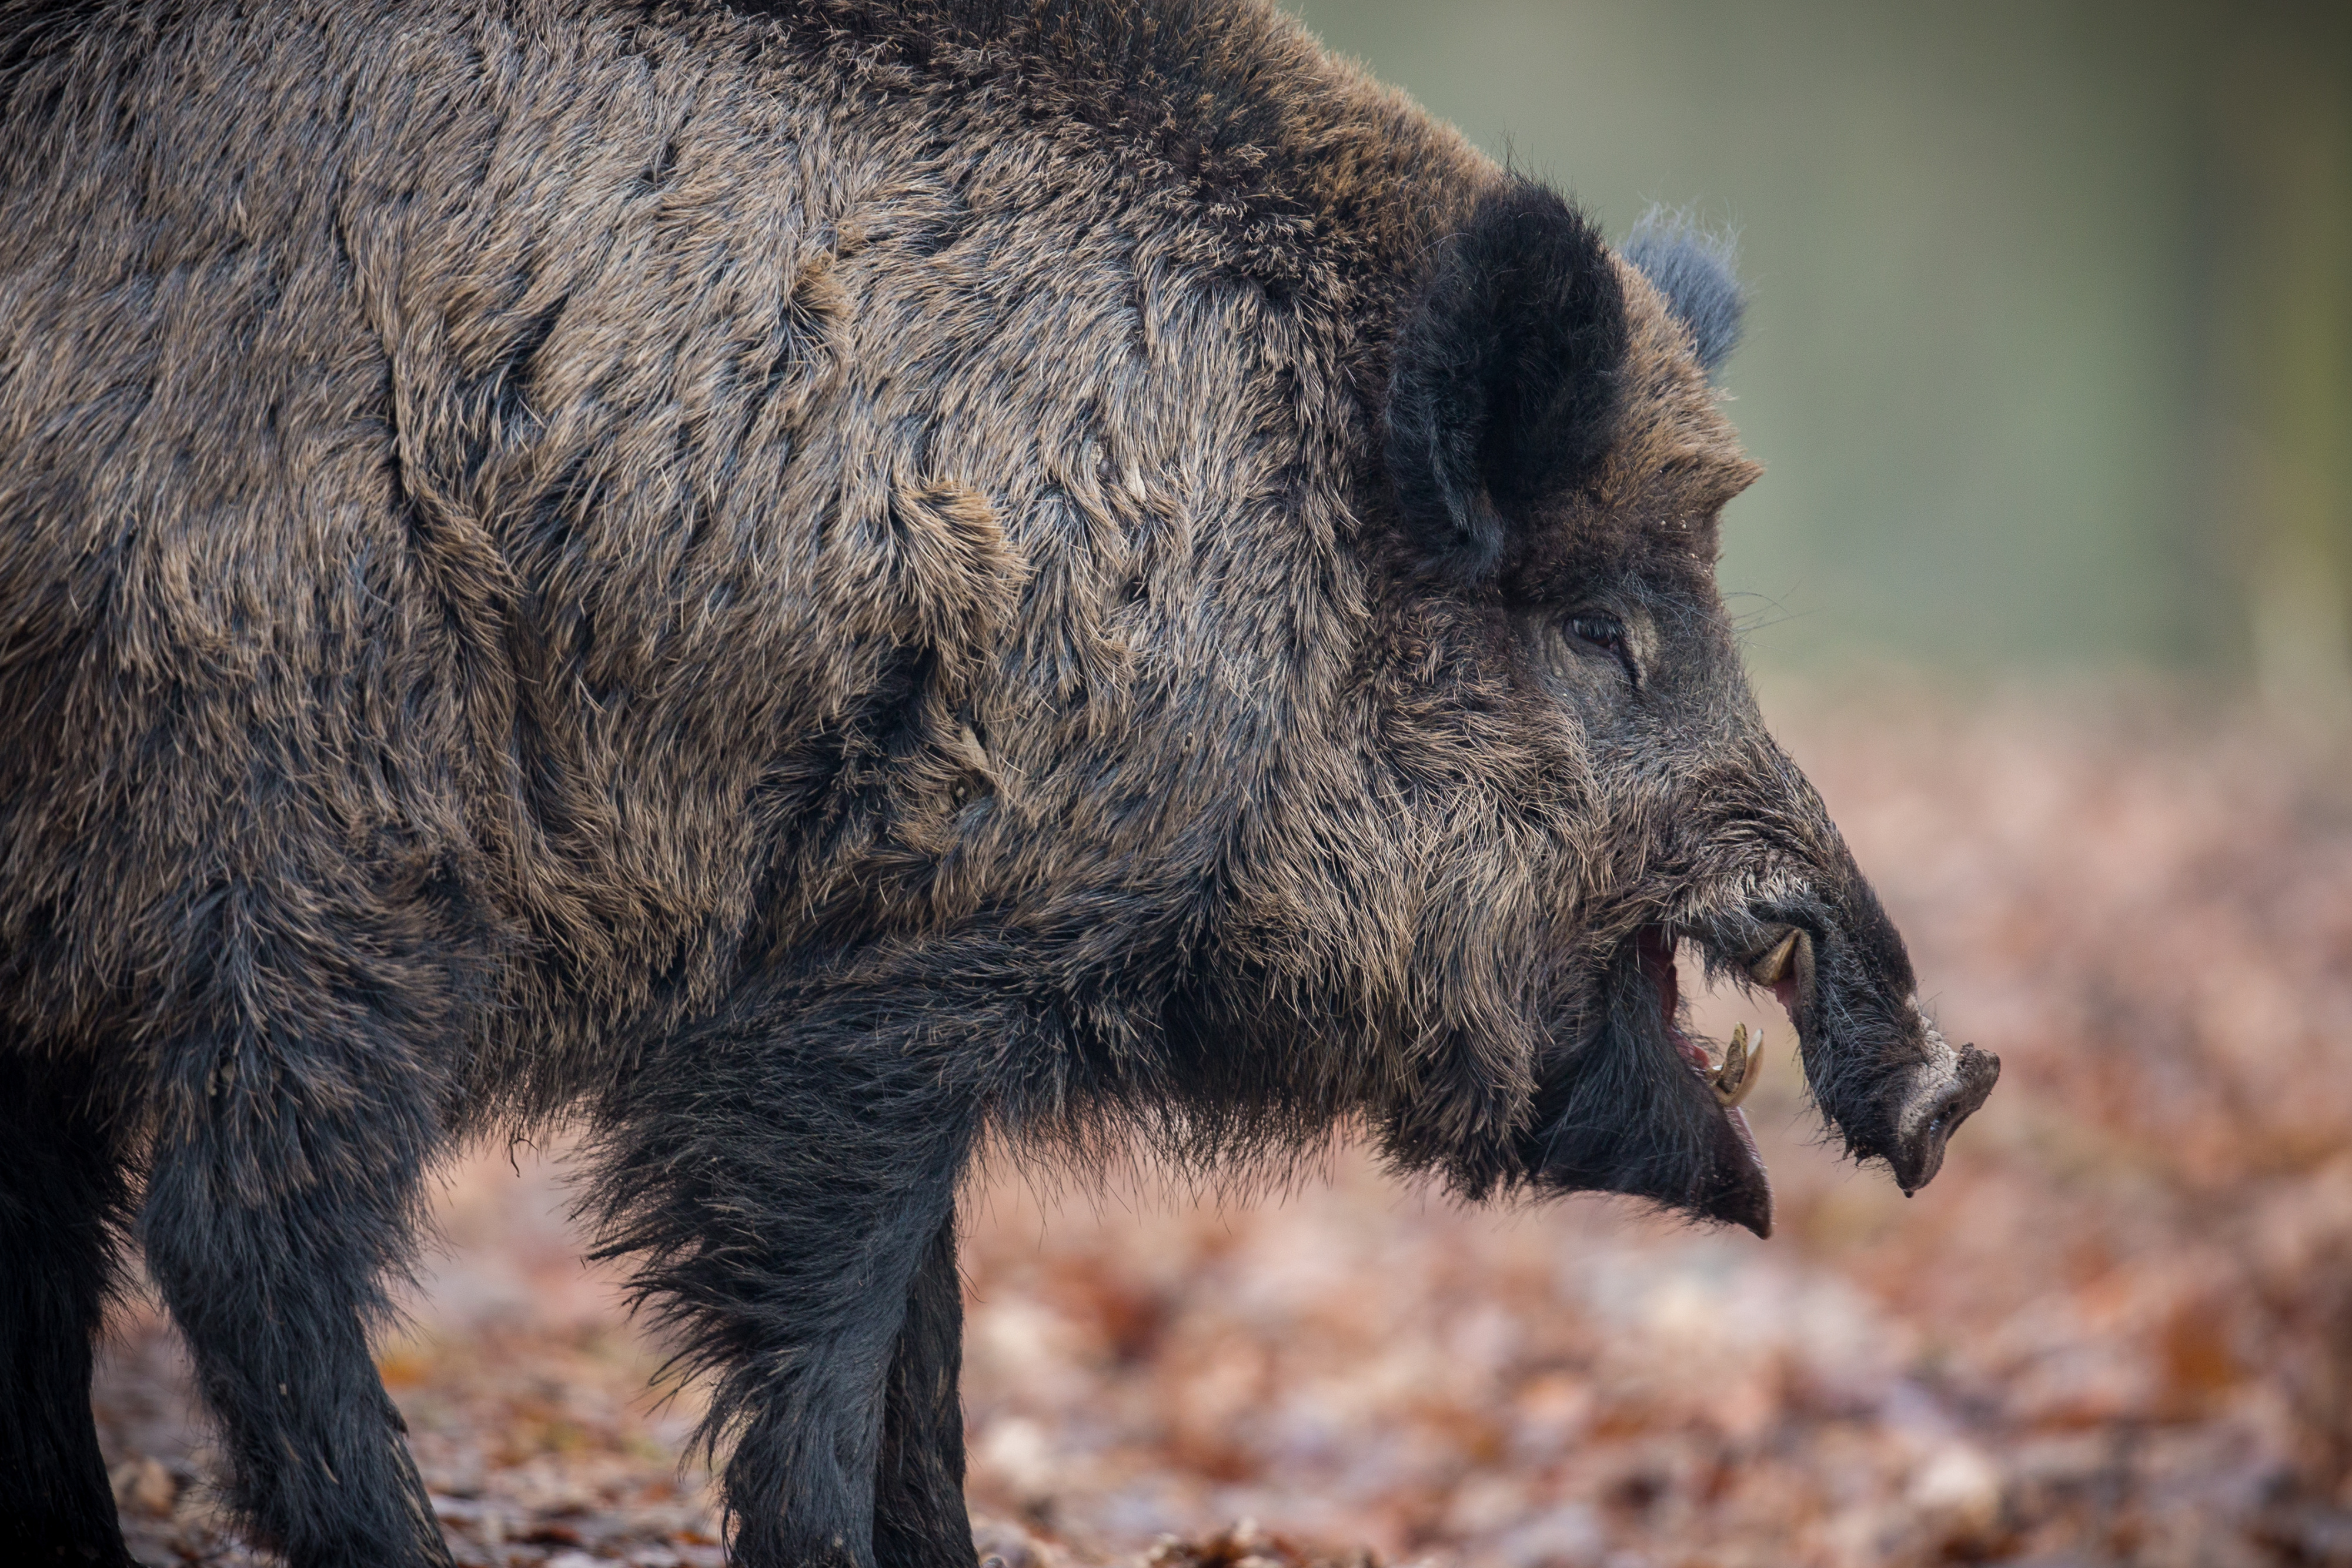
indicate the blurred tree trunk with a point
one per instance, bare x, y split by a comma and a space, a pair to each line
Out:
2282, 120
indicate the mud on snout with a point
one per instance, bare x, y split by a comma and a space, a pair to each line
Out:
1643, 1106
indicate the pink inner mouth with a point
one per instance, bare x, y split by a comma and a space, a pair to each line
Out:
1658, 953
1656, 950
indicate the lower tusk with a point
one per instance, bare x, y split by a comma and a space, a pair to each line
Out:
1741, 1067
1773, 968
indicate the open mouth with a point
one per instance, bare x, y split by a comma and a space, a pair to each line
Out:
1896, 1096
1731, 1069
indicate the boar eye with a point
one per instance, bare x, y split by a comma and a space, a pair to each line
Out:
1607, 633
1600, 632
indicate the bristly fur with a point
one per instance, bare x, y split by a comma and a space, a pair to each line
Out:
1505, 388
1694, 270
822, 587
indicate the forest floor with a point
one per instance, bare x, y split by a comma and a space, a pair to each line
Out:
2117, 1328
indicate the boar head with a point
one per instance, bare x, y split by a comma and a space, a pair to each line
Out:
1557, 463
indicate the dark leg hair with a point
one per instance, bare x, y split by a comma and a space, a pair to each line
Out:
285, 1183
786, 1178
918, 1512
61, 1208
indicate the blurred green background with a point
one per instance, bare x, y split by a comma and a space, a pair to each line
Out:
2050, 341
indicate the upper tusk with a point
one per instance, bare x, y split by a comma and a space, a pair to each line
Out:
1773, 968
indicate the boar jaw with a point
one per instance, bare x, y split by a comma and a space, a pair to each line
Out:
1630, 1108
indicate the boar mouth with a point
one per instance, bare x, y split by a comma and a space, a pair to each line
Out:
1741, 1190
1639, 1107
1733, 1074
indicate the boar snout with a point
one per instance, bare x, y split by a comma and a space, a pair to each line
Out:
1942, 1093
1878, 1068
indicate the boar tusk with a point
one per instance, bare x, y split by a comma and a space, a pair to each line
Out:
1740, 1068
1773, 968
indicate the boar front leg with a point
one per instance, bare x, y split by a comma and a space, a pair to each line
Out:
919, 1520
787, 1185
285, 1183
61, 1198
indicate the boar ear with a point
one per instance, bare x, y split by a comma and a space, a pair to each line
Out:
1503, 386
1693, 269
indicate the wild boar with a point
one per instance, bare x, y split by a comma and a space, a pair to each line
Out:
804, 586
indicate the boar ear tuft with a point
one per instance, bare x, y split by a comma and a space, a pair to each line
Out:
1505, 381
1693, 269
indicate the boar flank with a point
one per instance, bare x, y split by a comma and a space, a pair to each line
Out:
808, 585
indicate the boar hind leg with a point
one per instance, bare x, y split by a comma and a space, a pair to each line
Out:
285, 1183
61, 1204
787, 1190
918, 1512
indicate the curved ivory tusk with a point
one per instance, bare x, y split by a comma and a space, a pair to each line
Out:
1741, 1067
1773, 968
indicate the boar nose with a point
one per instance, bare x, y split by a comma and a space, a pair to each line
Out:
1945, 1090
